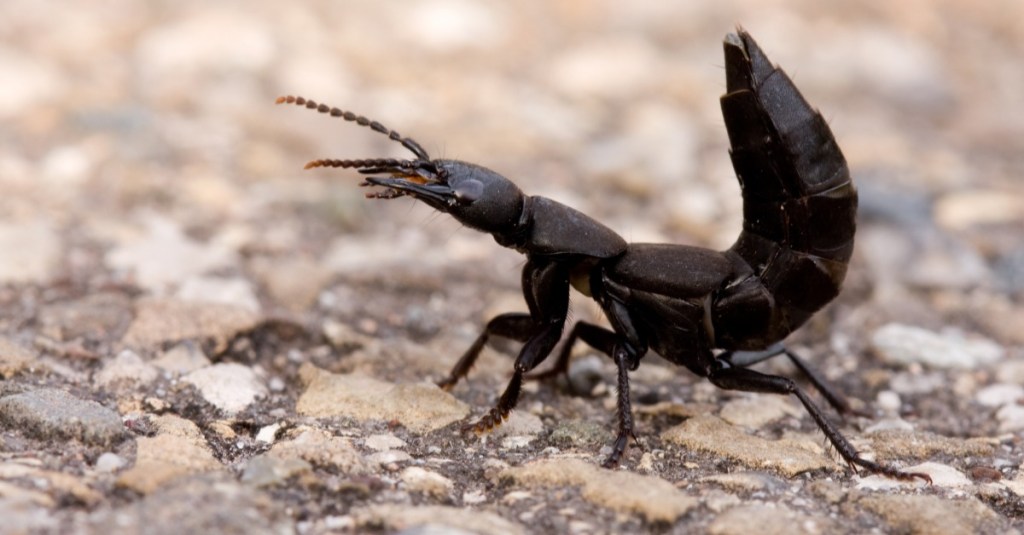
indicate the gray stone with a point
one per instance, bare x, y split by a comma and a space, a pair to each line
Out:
266, 470
127, 369
100, 316
211, 503
52, 415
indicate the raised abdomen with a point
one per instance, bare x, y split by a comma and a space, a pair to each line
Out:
799, 204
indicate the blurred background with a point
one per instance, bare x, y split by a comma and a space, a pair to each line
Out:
142, 147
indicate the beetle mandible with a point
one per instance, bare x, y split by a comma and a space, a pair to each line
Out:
683, 302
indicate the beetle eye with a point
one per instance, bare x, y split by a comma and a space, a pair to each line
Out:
468, 191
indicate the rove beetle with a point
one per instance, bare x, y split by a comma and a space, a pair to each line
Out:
683, 302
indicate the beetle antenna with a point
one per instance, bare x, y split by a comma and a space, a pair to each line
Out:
406, 142
387, 163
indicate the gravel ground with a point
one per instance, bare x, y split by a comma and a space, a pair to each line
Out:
198, 336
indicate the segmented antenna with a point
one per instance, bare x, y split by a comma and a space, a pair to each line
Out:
373, 164
406, 142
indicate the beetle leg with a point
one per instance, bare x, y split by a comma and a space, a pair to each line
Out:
837, 400
546, 289
744, 359
611, 344
593, 335
747, 380
514, 325
623, 361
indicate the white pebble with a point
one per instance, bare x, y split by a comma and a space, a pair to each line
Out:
267, 433
888, 401
110, 462
999, 394
904, 344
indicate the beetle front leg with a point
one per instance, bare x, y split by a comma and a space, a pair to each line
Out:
546, 289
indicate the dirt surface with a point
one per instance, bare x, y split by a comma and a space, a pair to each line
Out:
267, 337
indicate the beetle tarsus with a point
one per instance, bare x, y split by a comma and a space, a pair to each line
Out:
500, 412
625, 410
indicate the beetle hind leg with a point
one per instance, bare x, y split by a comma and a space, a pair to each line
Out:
746, 380
743, 359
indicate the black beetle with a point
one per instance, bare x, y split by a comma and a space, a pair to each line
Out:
684, 302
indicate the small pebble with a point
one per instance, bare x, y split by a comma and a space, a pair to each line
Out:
383, 442
109, 462
1011, 418
999, 394
904, 344
888, 401
268, 433
418, 479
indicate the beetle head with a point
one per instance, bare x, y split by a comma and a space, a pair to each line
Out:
476, 196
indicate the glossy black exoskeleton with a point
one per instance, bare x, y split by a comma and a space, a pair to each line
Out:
682, 302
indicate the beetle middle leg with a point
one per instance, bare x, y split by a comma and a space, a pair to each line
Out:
743, 359
747, 380
625, 350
